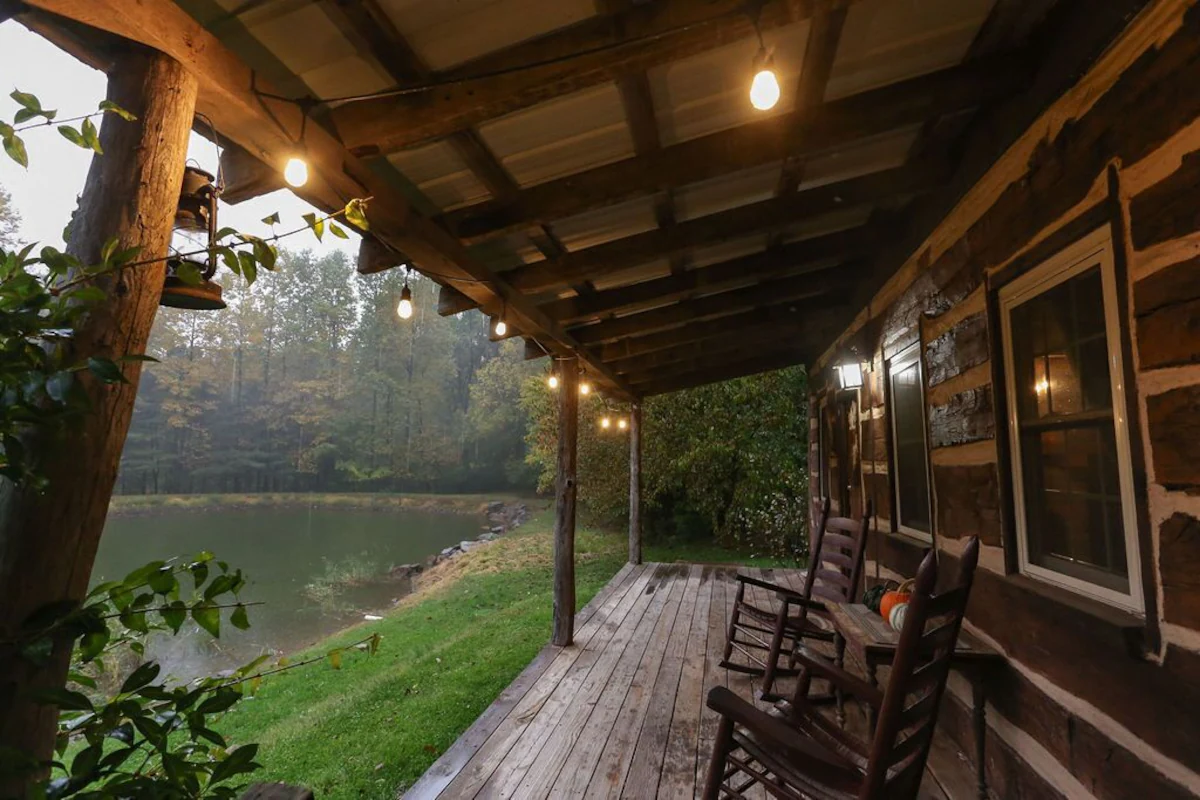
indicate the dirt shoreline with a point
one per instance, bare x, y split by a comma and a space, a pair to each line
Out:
144, 505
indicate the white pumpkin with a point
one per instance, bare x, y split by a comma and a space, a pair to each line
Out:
896, 618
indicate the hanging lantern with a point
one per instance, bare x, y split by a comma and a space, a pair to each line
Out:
197, 212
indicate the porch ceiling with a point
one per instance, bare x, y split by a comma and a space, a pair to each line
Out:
601, 165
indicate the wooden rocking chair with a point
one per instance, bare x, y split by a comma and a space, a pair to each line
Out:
798, 753
761, 635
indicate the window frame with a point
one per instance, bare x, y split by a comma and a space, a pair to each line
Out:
1093, 250
904, 359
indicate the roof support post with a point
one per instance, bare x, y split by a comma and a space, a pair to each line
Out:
564, 514
635, 483
48, 540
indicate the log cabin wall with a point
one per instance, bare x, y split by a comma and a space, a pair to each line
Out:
1096, 700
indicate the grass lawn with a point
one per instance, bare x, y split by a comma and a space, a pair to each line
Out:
374, 726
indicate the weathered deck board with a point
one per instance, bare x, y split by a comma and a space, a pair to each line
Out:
620, 713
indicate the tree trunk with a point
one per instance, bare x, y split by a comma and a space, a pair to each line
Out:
48, 541
564, 516
635, 484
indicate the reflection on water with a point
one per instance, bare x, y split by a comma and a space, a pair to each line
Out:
314, 570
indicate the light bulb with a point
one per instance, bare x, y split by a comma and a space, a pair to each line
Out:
501, 328
622, 424
552, 381
296, 172
584, 388
605, 422
764, 89
405, 309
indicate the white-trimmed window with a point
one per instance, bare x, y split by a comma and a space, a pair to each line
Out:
910, 453
1072, 479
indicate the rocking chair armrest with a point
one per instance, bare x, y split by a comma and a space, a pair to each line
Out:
784, 593
808, 755
822, 667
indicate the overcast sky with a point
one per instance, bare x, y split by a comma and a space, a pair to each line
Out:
45, 194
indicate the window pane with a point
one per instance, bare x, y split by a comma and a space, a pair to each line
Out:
1073, 517
912, 480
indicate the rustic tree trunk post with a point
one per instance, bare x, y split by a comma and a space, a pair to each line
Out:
635, 484
564, 516
48, 541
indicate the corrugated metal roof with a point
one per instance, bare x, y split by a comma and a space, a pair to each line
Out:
709, 92
885, 41
606, 224
449, 32
441, 175
566, 135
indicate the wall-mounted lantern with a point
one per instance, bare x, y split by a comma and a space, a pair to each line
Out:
850, 375
197, 212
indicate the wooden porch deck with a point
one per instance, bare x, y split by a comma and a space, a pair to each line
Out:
621, 713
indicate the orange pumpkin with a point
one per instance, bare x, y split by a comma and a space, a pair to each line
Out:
891, 600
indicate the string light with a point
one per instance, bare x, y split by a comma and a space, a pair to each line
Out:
296, 172
585, 388
622, 424
500, 328
552, 381
764, 89
605, 423
405, 309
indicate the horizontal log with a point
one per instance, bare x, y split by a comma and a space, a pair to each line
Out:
968, 502
589, 53
451, 301
967, 417
725, 372
767, 215
835, 125
375, 256
804, 257
1179, 545
964, 346
1174, 422
771, 293
1168, 209
1167, 308
246, 177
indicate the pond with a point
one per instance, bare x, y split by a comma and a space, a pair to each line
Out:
314, 570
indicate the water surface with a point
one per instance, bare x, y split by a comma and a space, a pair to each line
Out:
315, 570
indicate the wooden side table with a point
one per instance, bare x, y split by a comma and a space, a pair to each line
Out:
871, 641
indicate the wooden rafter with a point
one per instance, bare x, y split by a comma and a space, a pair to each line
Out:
824, 33
806, 256
721, 372
763, 337
723, 358
267, 127
766, 215
787, 290
761, 142
589, 53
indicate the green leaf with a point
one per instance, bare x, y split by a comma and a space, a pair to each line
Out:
224, 698
239, 618
72, 135
317, 225
141, 357
65, 699
85, 760
271, 220
230, 257
249, 266
356, 214
15, 147
93, 644
135, 621
113, 108
88, 294
163, 582
338, 232
189, 273
26, 100
143, 675
239, 761
24, 115
106, 370
199, 572
58, 384
208, 617
91, 136
174, 615
265, 254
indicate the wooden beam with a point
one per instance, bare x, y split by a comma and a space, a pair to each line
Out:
764, 336
723, 372
788, 349
451, 301
762, 295
564, 506
805, 256
375, 256
48, 540
267, 128
824, 33
246, 176
834, 126
635, 484
589, 53
742, 323
767, 215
